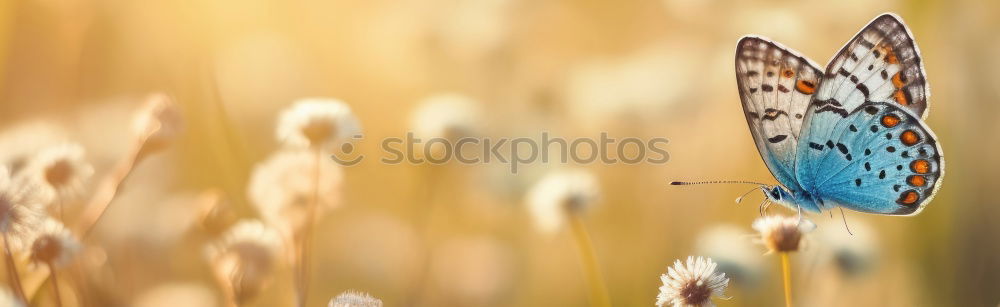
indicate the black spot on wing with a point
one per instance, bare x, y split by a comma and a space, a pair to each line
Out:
842, 148
864, 89
767, 88
777, 138
815, 146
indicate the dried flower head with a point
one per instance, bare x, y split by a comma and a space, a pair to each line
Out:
782, 234
158, 122
282, 187
691, 284
450, 116
317, 123
60, 170
246, 257
8, 299
54, 244
21, 206
351, 298
561, 193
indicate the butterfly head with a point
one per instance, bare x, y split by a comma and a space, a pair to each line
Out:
777, 194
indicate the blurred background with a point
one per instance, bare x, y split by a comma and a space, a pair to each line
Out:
460, 235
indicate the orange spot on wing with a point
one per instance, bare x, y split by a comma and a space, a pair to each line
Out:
917, 181
898, 80
788, 73
920, 166
909, 138
805, 87
890, 56
909, 197
900, 97
890, 121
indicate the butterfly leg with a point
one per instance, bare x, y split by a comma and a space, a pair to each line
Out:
762, 209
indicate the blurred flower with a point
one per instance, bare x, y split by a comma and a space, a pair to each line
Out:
22, 141
20, 210
692, 284
158, 122
473, 29
60, 169
353, 298
851, 253
54, 244
8, 299
736, 256
561, 193
474, 271
281, 187
782, 234
177, 294
638, 84
246, 257
317, 123
449, 115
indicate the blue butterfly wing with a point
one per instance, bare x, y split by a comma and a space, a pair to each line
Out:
847, 155
775, 86
887, 161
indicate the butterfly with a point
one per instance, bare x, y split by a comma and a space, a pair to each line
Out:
851, 136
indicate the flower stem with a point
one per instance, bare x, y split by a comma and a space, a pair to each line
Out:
302, 271
598, 291
15, 279
786, 274
55, 284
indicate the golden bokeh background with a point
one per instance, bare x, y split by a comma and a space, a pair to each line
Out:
77, 69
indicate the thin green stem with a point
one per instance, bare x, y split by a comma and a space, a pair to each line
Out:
598, 291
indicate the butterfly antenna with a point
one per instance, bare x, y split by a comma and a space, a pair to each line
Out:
714, 182
844, 217
740, 199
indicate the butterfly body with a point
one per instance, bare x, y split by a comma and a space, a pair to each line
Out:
851, 136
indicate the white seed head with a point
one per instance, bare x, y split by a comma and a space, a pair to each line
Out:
317, 123
282, 187
449, 115
691, 284
246, 256
559, 194
54, 244
351, 298
21, 209
60, 170
782, 234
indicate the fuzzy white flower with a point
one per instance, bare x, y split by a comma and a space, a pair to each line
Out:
60, 170
20, 210
282, 187
691, 284
8, 299
448, 115
353, 298
782, 234
54, 244
246, 257
559, 194
317, 123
